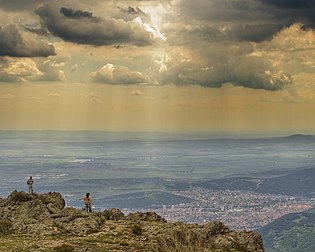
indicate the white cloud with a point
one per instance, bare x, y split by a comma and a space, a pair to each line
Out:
136, 92
19, 70
119, 75
54, 95
26, 69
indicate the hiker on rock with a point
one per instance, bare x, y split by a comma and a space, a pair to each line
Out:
87, 202
30, 185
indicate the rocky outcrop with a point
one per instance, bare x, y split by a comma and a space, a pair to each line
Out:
111, 230
77, 222
113, 214
30, 214
213, 236
148, 216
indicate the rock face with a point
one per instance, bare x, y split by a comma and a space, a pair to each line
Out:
148, 216
30, 214
46, 215
213, 236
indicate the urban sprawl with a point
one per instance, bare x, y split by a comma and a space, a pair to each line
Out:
237, 209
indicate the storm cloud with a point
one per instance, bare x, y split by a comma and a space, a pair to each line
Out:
246, 19
295, 10
15, 43
83, 28
291, 4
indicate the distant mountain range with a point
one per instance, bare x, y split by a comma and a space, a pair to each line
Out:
291, 233
300, 136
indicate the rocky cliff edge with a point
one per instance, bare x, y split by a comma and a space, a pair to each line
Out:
40, 222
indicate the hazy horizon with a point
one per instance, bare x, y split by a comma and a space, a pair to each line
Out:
194, 134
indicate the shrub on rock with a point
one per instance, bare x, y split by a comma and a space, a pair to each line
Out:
16, 196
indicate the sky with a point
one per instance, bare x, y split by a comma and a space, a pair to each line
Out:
217, 66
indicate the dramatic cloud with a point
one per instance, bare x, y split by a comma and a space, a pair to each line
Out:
241, 67
119, 75
15, 43
84, 28
256, 44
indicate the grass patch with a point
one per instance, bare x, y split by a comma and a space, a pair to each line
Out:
105, 238
64, 248
5, 227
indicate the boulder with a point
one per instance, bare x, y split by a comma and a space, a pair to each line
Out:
19, 197
31, 214
53, 199
76, 221
213, 236
147, 216
112, 214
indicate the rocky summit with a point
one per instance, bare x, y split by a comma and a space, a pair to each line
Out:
40, 222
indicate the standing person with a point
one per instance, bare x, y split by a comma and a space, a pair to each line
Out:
87, 202
30, 185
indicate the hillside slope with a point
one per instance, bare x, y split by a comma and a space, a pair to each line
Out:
291, 233
299, 182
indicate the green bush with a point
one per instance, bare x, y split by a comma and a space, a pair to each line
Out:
137, 229
64, 248
20, 196
5, 227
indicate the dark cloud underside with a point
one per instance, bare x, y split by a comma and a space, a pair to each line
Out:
76, 14
291, 4
15, 43
82, 27
18, 5
247, 19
